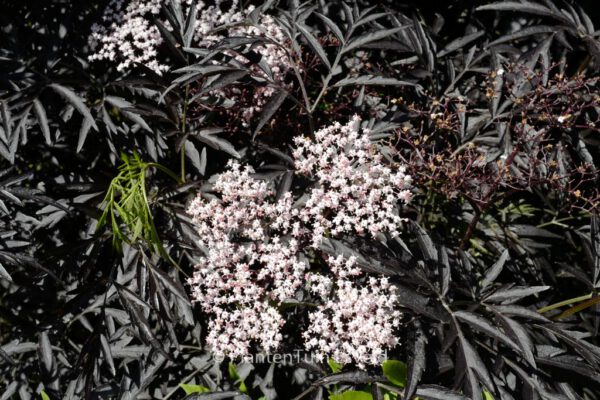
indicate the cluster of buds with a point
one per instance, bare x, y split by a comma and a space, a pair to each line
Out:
540, 141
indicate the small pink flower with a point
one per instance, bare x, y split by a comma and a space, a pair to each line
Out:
255, 251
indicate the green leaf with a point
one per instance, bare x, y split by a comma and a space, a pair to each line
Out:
233, 374
487, 395
191, 389
395, 371
335, 367
44, 395
352, 395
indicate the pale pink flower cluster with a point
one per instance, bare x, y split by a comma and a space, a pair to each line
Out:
227, 281
127, 36
256, 250
232, 332
356, 191
275, 57
355, 323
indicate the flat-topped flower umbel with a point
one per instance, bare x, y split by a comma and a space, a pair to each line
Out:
261, 251
128, 36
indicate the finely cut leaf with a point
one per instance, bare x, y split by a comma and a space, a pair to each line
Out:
192, 153
40, 113
523, 33
216, 142
459, 43
483, 325
269, 110
492, 273
83, 132
190, 26
519, 333
216, 396
524, 7
75, 100
425, 243
314, 44
108, 357
434, 392
595, 242
372, 80
515, 293
417, 362
4, 274
371, 37
475, 365
332, 26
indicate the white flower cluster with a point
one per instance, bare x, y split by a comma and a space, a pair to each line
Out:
356, 324
354, 185
274, 56
227, 282
128, 36
254, 248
